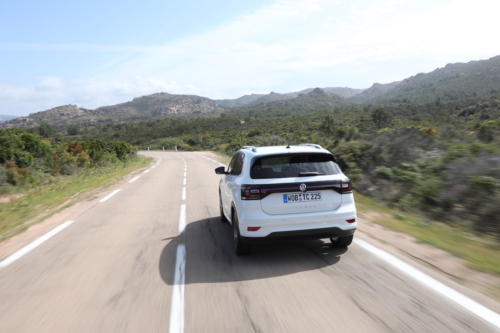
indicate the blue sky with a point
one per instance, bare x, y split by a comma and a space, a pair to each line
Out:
95, 53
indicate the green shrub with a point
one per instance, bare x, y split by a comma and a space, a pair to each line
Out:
384, 173
21, 147
3, 176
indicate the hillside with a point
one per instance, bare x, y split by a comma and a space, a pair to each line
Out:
150, 107
316, 100
373, 92
59, 118
160, 105
238, 102
452, 82
341, 91
4, 118
272, 97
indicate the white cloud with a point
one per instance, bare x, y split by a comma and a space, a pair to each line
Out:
88, 93
282, 47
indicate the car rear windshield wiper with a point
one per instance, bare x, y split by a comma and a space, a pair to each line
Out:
310, 173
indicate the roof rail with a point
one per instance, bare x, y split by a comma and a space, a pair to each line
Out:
252, 148
311, 145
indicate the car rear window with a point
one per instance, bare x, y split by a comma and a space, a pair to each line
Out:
293, 165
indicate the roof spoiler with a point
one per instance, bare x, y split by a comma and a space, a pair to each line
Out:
311, 145
252, 148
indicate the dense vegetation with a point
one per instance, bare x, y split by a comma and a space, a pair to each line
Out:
28, 160
441, 159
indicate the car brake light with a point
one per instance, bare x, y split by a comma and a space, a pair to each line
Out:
253, 228
346, 187
351, 220
250, 192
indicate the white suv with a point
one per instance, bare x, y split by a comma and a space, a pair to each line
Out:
286, 193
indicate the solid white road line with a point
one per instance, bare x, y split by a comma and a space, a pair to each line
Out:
134, 179
183, 193
177, 305
182, 218
110, 195
31, 246
462, 300
184, 181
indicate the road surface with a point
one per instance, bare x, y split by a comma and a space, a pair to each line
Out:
124, 266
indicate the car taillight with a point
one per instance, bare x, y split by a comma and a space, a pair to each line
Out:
346, 187
250, 192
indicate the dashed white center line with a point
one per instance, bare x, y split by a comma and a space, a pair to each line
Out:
184, 174
184, 181
182, 218
33, 245
110, 195
177, 305
146, 171
134, 179
462, 300
183, 193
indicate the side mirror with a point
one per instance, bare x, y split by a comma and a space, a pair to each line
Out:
220, 171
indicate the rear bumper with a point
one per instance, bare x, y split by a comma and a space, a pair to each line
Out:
300, 235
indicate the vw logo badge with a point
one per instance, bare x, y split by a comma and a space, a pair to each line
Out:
303, 187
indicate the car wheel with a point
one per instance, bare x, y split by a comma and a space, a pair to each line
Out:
240, 248
342, 241
222, 216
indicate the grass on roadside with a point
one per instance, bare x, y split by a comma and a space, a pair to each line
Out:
222, 157
480, 253
41, 202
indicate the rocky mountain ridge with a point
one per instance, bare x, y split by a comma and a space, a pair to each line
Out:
155, 106
5, 117
452, 82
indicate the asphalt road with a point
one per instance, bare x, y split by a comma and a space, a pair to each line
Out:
116, 269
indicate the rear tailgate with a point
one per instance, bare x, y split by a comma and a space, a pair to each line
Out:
287, 198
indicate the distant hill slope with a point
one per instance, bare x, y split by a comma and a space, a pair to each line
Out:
241, 101
318, 99
341, 91
452, 82
160, 105
272, 97
373, 92
5, 117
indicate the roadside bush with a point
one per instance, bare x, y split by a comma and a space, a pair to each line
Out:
15, 175
21, 147
3, 176
384, 173
99, 149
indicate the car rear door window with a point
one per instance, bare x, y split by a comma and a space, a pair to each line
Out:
238, 164
293, 165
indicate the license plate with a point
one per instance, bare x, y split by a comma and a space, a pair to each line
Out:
302, 197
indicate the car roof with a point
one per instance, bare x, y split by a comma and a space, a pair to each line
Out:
257, 151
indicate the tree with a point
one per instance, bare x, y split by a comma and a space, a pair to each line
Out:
46, 131
381, 118
328, 125
74, 130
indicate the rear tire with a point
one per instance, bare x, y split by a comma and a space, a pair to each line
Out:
241, 249
342, 241
222, 216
